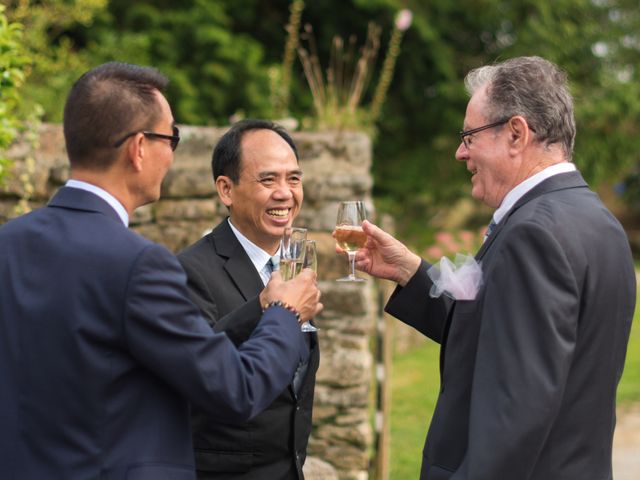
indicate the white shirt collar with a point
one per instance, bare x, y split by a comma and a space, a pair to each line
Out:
257, 255
521, 189
103, 194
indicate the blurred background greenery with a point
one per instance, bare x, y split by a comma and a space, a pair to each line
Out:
225, 61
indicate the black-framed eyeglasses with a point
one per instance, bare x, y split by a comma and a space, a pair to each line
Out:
175, 138
464, 134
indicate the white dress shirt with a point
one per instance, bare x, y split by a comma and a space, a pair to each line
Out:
258, 256
519, 191
103, 194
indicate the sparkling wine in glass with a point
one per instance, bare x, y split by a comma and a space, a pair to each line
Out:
310, 261
349, 234
292, 249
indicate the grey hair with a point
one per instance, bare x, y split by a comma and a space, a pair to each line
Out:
531, 87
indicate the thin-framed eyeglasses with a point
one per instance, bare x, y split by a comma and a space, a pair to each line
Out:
465, 134
174, 139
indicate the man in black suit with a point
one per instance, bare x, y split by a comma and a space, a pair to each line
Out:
530, 363
257, 176
101, 350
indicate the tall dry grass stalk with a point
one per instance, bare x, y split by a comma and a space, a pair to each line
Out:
337, 96
282, 86
402, 23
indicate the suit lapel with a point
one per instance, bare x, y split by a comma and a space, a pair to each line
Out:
238, 265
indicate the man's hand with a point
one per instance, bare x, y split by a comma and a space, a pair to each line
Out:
301, 292
385, 257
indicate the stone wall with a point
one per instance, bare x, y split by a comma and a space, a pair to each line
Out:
336, 167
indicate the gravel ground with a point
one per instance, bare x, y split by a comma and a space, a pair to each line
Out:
626, 444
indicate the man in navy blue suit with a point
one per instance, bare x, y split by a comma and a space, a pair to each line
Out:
100, 349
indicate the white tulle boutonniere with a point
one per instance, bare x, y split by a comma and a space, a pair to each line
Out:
460, 279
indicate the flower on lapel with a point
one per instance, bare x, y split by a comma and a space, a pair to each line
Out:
460, 279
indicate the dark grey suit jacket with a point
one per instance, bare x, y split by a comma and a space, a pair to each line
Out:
225, 284
529, 369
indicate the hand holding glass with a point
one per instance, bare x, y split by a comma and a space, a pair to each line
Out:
349, 234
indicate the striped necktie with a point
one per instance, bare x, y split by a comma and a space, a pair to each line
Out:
490, 228
274, 263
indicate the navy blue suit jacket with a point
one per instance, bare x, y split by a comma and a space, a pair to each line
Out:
101, 351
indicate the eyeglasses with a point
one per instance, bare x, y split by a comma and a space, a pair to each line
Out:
175, 138
466, 133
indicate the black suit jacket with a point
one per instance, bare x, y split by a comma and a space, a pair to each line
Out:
225, 284
530, 367
101, 351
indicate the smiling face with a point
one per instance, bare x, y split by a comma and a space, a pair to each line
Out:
268, 195
494, 170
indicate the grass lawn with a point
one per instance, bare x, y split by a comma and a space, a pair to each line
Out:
414, 388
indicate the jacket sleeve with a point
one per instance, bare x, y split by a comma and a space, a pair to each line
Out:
165, 331
412, 305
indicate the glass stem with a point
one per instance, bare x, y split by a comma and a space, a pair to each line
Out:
352, 262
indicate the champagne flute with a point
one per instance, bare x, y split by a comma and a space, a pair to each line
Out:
310, 261
349, 234
292, 252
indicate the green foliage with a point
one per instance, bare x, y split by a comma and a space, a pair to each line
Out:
13, 64
215, 71
427, 106
415, 384
57, 60
629, 388
225, 58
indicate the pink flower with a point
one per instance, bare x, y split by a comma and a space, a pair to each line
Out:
466, 235
403, 19
434, 252
467, 238
443, 237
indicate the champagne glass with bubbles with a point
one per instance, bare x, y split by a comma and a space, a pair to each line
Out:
292, 249
349, 234
310, 261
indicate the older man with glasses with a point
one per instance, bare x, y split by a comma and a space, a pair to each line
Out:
532, 352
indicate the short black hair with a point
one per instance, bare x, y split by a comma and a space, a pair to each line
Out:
226, 154
106, 103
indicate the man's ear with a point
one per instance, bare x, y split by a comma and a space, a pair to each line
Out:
519, 132
136, 152
224, 186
